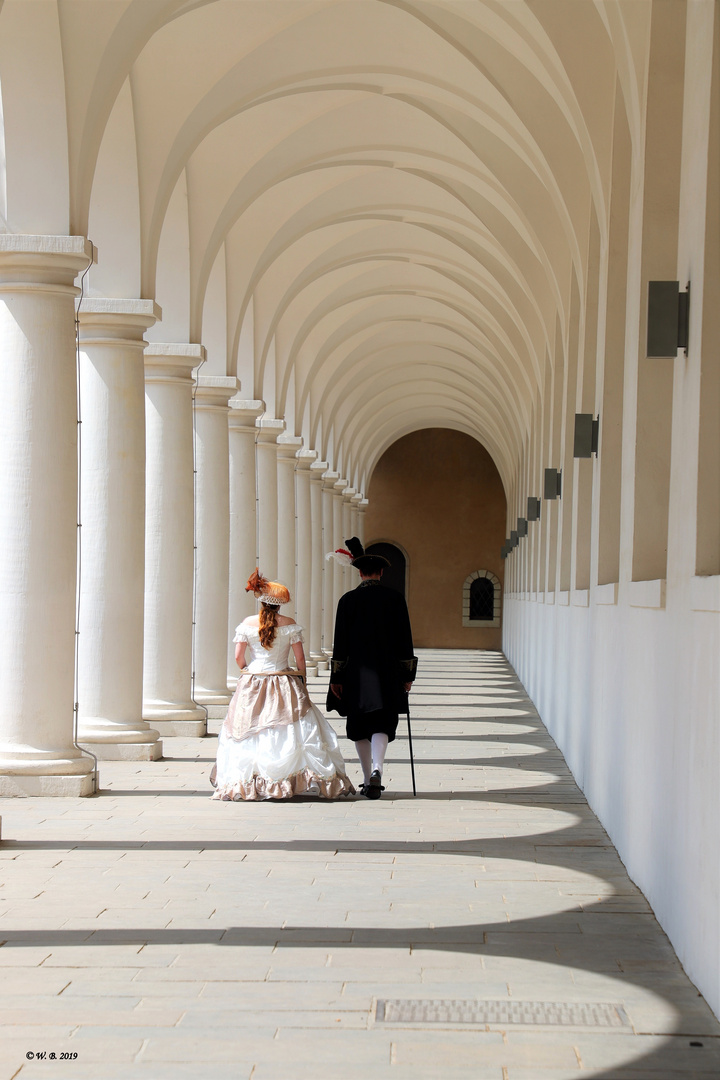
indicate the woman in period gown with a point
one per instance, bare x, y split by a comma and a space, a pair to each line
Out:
274, 743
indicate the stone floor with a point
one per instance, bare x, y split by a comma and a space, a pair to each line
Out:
485, 929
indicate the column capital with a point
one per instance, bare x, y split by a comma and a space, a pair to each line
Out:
214, 391
243, 413
329, 479
269, 429
37, 262
348, 494
357, 499
362, 505
287, 448
340, 485
306, 459
110, 319
172, 361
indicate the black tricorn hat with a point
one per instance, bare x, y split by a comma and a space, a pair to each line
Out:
368, 564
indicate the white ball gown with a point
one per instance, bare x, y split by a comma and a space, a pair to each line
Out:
274, 743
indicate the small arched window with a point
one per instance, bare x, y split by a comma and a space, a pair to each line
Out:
481, 599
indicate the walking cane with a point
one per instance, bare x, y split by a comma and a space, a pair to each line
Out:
412, 762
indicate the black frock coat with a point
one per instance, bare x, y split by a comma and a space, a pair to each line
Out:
373, 650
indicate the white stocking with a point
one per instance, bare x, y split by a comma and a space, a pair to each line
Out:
379, 746
365, 754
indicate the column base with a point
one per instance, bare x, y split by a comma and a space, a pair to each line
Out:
23, 787
124, 751
217, 712
212, 697
170, 719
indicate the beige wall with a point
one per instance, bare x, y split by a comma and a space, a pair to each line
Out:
438, 495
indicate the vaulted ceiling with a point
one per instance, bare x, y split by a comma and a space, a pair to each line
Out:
371, 211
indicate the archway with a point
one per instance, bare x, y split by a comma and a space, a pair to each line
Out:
437, 494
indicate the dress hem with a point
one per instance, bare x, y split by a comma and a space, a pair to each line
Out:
261, 788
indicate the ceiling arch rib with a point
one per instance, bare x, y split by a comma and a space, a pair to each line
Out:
389, 250
319, 366
399, 279
376, 177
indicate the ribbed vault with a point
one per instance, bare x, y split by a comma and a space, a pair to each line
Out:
372, 212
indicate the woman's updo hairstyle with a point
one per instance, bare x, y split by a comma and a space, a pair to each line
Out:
271, 595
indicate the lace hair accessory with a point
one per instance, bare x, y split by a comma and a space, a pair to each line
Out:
269, 592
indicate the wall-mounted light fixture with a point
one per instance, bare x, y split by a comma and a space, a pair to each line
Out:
504, 551
522, 527
587, 435
513, 539
533, 509
668, 315
553, 483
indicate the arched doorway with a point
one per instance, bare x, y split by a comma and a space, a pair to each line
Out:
394, 575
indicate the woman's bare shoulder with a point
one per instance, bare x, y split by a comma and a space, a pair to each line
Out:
285, 620
251, 620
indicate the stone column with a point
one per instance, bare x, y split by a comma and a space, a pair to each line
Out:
287, 448
318, 562
112, 487
362, 507
347, 531
38, 515
355, 513
243, 519
169, 552
268, 431
328, 543
212, 537
304, 585
339, 541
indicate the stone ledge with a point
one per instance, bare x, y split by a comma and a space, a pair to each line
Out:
705, 593
647, 594
606, 594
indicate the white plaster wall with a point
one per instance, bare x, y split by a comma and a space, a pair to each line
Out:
631, 696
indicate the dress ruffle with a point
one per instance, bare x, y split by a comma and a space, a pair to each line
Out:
259, 787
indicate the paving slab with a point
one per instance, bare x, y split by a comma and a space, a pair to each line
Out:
154, 933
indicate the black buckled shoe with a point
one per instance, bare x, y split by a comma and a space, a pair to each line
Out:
374, 786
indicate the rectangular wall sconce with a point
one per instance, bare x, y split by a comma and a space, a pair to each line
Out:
553, 483
533, 509
668, 315
522, 526
587, 435
504, 552
513, 539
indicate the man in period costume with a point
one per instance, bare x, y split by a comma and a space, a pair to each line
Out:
373, 666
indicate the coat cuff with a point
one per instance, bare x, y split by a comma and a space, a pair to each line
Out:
337, 667
408, 669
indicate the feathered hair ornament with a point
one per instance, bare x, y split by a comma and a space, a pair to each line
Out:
341, 556
270, 592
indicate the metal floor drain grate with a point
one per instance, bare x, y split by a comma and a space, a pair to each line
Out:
554, 1013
